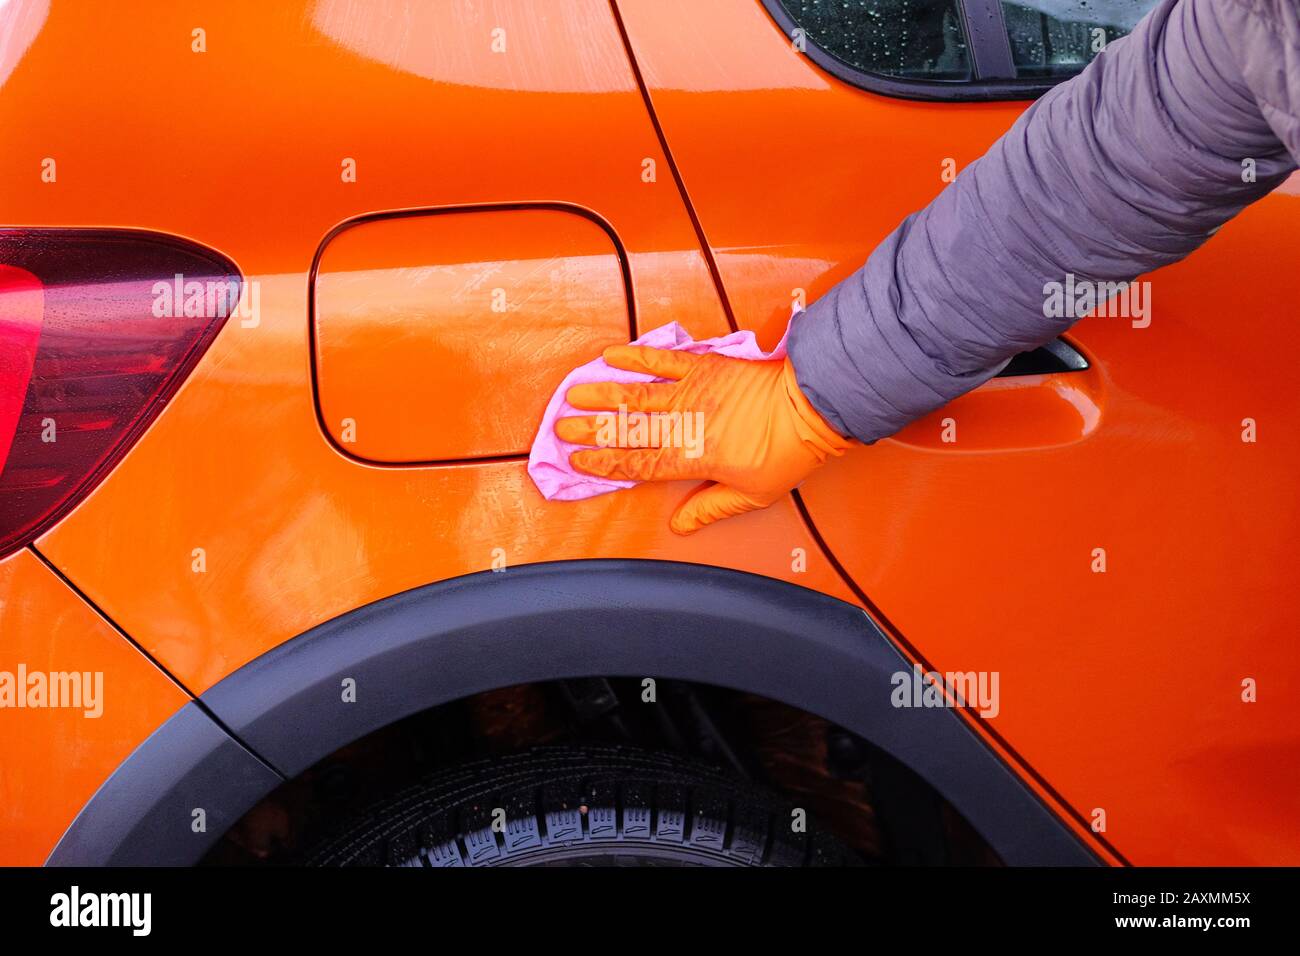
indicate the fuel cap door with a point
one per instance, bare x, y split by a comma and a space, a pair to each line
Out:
440, 336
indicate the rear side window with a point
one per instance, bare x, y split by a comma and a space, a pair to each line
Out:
1056, 39
955, 49
916, 39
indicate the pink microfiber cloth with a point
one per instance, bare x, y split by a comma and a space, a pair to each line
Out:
548, 463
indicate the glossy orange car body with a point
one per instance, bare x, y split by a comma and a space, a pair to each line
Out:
1123, 689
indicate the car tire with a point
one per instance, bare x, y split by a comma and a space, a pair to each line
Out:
582, 806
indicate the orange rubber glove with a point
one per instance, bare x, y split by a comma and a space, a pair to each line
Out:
760, 436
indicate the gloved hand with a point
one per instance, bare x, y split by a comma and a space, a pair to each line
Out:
761, 436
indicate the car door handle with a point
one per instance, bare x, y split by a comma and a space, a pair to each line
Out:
1056, 356
1049, 397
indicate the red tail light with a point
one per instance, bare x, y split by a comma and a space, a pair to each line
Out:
97, 330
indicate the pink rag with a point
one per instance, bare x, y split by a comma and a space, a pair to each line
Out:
548, 463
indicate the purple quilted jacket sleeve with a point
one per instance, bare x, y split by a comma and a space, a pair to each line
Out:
1131, 165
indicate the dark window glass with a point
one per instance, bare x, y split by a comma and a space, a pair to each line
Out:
1054, 39
910, 39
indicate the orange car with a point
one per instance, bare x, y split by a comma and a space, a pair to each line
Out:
284, 291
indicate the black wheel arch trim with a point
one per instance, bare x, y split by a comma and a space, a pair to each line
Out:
434, 644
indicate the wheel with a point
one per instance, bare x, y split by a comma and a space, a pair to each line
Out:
585, 806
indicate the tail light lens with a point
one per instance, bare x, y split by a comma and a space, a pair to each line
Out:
98, 328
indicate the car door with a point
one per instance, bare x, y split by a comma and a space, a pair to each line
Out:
1114, 538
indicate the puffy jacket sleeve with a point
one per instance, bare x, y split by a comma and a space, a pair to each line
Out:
1131, 165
